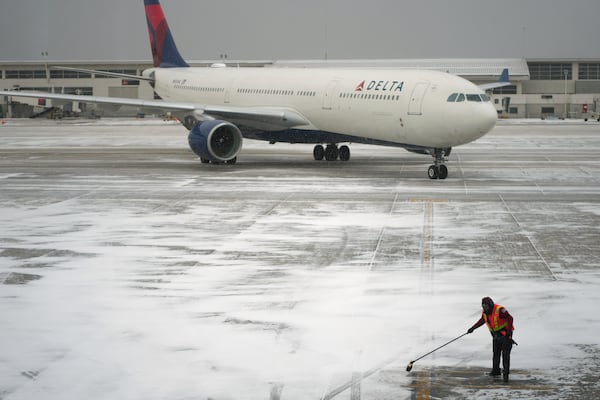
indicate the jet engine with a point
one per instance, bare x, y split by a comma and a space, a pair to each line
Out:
215, 141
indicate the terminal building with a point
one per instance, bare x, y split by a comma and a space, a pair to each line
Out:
539, 88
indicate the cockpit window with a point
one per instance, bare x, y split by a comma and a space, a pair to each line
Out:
457, 97
452, 98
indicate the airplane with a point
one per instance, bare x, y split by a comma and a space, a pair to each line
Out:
422, 111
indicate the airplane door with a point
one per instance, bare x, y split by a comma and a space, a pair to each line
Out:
228, 90
415, 106
329, 93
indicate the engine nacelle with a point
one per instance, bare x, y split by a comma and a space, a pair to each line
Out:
216, 141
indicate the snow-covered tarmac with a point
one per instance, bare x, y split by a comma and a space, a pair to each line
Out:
129, 270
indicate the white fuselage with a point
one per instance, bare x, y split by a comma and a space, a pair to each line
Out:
397, 106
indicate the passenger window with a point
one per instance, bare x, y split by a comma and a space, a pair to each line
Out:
452, 97
473, 97
461, 97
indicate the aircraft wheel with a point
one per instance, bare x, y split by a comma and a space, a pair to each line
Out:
318, 152
204, 160
344, 153
443, 172
331, 152
232, 161
433, 172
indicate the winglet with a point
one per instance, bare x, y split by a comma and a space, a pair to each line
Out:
164, 50
503, 81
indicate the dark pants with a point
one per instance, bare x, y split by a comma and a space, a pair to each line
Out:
501, 346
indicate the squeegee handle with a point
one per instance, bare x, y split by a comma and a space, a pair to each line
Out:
437, 348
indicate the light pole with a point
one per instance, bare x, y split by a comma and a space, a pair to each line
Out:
45, 58
566, 74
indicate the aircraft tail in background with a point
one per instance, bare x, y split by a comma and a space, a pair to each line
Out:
164, 50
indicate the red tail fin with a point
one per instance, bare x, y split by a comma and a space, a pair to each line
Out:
164, 50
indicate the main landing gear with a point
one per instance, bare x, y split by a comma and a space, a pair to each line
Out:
438, 170
331, 152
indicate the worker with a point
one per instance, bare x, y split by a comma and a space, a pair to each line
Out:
500, 324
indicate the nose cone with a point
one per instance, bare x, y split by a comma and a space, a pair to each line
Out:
487, 117
468, 121
480, 118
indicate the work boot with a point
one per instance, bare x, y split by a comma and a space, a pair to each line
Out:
505, 376
495, 372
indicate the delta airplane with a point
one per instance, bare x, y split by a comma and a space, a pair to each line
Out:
426, 112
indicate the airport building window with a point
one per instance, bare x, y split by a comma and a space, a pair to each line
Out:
80, 91
24, 74
76, 75
59, 74
548, 110
510, 89
550, 71
589, 71
36, 89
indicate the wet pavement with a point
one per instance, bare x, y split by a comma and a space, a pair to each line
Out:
128, 269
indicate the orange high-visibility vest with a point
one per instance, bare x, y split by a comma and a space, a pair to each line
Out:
494, 322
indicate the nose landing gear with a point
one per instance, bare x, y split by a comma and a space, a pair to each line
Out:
439, 170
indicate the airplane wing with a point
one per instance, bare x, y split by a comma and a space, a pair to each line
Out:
104, 73
503, 81
260, 117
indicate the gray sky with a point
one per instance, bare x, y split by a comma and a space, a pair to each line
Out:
308, 29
